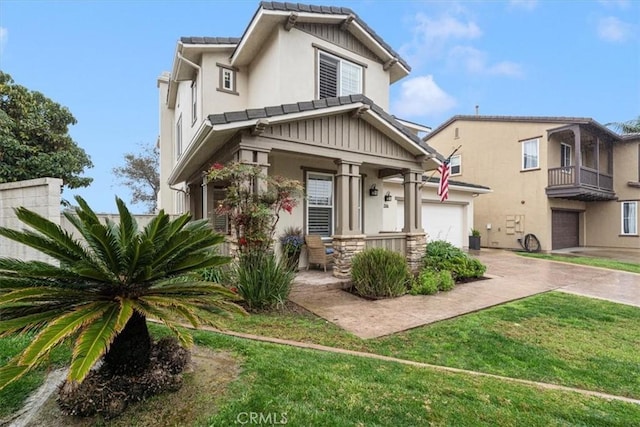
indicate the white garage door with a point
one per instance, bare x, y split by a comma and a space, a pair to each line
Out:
440, 222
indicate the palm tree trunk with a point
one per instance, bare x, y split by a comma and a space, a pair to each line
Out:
130, 351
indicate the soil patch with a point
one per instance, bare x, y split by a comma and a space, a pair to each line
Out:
206, 378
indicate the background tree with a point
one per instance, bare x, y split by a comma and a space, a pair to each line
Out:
34, 138
630, 126
140, 173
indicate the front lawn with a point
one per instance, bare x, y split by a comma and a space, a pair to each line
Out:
593, 262
552, 337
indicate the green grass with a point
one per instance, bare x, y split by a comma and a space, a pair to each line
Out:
553, 337
13, 396
315, 388
593, 262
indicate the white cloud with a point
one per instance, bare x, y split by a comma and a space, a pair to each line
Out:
476, 61
612, 29
421, 96
431, 35
524, 4
4, 37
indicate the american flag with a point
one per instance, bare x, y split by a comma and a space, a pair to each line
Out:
443, 188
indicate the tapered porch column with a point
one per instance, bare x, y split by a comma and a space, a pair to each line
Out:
348, 239
255, 156
578, 154
416, 237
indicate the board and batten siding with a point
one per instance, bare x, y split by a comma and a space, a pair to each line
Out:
333, 34
340, 131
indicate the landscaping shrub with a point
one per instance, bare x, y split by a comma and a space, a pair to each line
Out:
441, 255
262, 281
425, 284
445, 281
379, 272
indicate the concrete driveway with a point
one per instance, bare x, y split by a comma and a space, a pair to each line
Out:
511, 277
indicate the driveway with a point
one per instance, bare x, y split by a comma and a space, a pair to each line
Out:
511, 277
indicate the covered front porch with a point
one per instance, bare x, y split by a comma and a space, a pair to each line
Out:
342, 155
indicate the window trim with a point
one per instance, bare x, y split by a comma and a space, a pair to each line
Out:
341, 59
308, 174
635, 220
194, 101
459, 165
234, 78
523, 143
178, 140
568, 147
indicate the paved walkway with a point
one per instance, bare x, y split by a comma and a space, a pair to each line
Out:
512, 277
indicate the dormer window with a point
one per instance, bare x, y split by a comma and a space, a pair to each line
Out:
337, 76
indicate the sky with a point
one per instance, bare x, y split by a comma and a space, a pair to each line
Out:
101, 59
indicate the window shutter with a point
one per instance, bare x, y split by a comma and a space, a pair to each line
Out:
328, 77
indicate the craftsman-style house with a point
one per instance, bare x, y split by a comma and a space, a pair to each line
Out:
304, 93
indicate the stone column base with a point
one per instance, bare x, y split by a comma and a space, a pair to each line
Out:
415, 250
344, 248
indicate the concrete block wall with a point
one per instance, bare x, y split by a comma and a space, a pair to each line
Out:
41, 195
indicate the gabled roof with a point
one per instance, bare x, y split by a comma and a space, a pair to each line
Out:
221, 127
320, 104
565, 121
271, 14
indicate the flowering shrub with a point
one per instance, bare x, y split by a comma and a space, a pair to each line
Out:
292, 240
253, 202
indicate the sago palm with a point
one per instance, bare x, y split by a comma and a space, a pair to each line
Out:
105, 287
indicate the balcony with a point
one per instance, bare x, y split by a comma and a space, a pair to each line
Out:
581, 183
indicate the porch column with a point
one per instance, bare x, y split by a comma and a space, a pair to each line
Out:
597, 154
208, 206
348, 239
416, 237
578, 155
255, 156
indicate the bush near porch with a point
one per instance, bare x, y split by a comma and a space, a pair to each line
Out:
380, 273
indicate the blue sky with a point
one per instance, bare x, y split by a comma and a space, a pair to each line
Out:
553, 58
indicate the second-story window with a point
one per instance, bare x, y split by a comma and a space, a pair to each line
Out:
194, 102
456, 165
530, 154
337, 77
565, 155
179, 137
227, 79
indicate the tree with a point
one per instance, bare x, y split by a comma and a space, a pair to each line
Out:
34, 138
630, 126
103, 291
140, 174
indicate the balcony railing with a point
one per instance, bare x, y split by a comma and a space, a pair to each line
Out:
566, 176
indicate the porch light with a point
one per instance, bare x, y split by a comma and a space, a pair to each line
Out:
373, 191
387, 196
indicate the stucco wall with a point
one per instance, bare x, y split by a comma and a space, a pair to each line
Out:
41, 195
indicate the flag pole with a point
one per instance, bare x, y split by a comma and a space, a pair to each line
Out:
446, 160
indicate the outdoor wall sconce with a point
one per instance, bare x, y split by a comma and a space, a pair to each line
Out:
373, 191
387, 197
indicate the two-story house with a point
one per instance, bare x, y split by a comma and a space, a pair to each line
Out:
569, 181
303, 93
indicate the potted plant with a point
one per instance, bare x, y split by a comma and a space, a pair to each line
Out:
292, 242
474, 239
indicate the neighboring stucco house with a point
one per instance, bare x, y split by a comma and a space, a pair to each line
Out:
570, 181
304, 94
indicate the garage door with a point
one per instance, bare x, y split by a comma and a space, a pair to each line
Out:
564, 229
440, 222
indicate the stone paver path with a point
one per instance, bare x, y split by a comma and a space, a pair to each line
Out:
512, 277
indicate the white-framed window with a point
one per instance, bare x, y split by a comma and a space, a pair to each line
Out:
227, 79
320, 204
565, 155
337, 77
629, 218
456, 164
179, 137
530, 154
194, 101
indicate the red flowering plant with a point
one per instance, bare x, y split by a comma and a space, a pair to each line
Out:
253, 202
